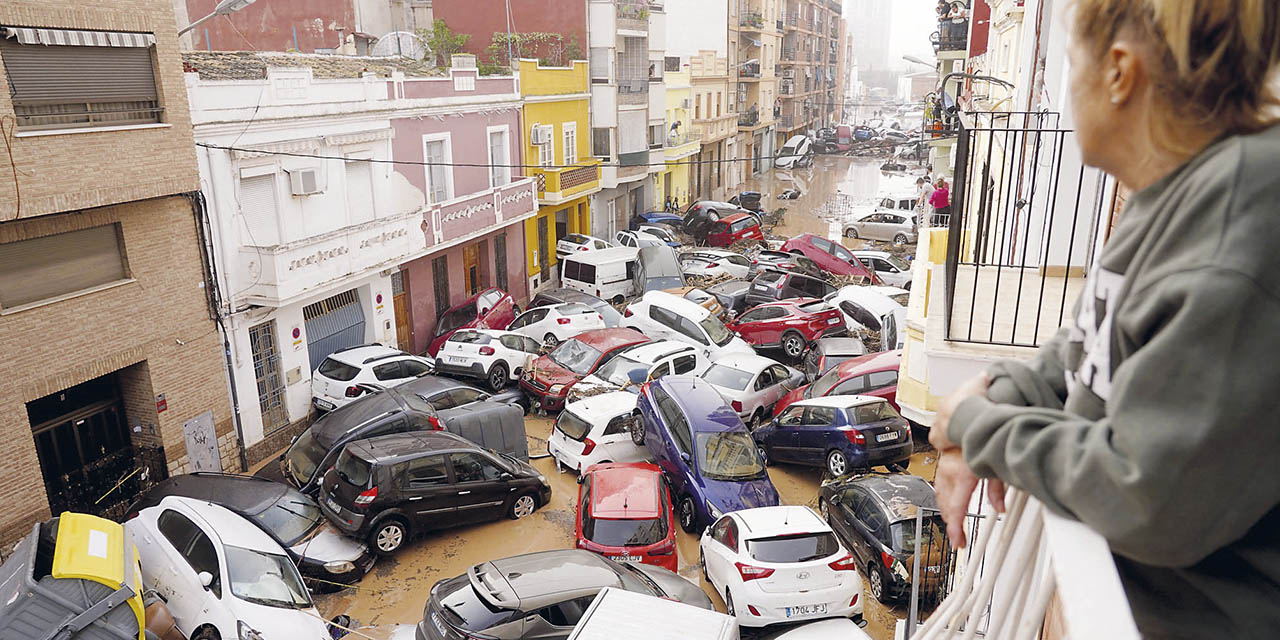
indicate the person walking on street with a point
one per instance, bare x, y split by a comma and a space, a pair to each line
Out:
940, 200
1152, 417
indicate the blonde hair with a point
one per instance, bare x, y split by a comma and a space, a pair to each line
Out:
1213, 60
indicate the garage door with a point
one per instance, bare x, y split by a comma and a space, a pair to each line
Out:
333, 323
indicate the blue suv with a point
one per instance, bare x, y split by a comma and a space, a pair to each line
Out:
705, 452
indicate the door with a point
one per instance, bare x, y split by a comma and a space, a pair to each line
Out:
772, 393
429, 496
544, 249
786, 437
555, 621
617, 441
334, 323
182, 553
723, 550
471, 268
759, 326
266, 371
479, 492
400, 302
813, 436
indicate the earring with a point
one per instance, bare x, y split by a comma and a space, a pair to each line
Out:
1115, 99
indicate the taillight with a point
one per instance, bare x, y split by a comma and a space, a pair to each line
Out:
713, 265
787, 265
749, 572
435, 423
755, 262
366, 497
667, 548
780, 283
854, 601
562, 321
588, 445
582, 248
887, 559
737, 406
627, 313
353, 391
843, 564
752, 610
856, 437
486, 351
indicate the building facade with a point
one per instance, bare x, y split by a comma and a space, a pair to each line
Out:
560, 25
810, 90
114, 356
755, 34
352, 27
682, 143
698, 34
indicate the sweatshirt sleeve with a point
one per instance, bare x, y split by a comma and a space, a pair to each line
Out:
1189, 428
1041, 382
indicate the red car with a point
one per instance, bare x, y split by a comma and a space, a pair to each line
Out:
792, 324
548, 379
489, 309
624, 513
731, 229
875, 374
831, 256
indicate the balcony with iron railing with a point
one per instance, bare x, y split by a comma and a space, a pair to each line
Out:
561, 184
749, 119
788, 54
952, 35
749, 71
751, 21
633, 15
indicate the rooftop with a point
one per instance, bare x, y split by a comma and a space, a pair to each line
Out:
253, 65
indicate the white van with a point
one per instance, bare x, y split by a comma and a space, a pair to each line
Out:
607, 274
797, 152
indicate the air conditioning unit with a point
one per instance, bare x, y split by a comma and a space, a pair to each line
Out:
540, 134
788, 73
304, 182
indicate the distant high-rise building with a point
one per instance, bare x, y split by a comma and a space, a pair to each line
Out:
870, 29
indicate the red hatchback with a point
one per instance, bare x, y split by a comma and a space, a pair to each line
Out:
791, 324
548, 379
831, 256
734, 228
875, 374
489, 309
625, 514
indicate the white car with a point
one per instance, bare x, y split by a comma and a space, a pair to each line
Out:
829, 629
219, 572
638, 240
339, 378
578, 242
889, 227
779, 564
556, 323
497, 357
596, 429
891, 269
713, 263
637, 365
664, 316
873, 309
659, 233
751, 384
796, 153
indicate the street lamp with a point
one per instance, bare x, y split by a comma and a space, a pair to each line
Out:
918, 61
224, 7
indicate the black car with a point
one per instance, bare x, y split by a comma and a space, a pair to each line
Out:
829, 352
425, 404
561, 295
291, 518
749, 200
732, 295
386, 489
771, 286
875, 517
770, 260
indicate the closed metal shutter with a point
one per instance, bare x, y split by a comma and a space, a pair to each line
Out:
42, 268
334, 323
359, 191
258, 206
59, 86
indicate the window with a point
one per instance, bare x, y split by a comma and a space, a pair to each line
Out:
189, 541
878, 379
671, 63
860, 315
55, 83
60, 264
663, 317
656, 135
688, 328
791, 417
684, 364
600, 146
852, 386
413, 368
765, 380
599, 64
587, 273
439, 173
726, 533
874, 412
566, 614
498, 175
427, 472
571, 270
388, 371
473, 467
456, 398
697, 107
719, 101
500, 260
440, 283
819, 416
570, 133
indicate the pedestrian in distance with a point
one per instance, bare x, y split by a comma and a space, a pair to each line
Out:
940, 200
924, 191
1152, 417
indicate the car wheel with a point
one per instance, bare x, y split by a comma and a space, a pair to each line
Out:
550, 340
757, 419
825, 510
907, 286
523, 506
899, 240
897, 467
637, 431
875, 580
206, 632
498, 377
837, 463
728, 603
618, 299
793, 344
688, 516
388, 536
851, 233
764, 455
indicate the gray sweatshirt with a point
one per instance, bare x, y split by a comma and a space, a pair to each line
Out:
1155, 419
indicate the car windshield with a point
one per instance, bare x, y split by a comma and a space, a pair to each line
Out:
622, 370
575, 356
456, 318
729, 455
267, 579
794, 547
291, 518
572, 426
624, 533
904, 533
335, 370
719, 334
788, 150
823, 384
304, 455
723, 375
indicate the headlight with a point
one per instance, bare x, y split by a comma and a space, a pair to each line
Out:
555, 389
339, 566
246, 632
715, 513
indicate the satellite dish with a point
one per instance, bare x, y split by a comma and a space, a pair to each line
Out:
399, 44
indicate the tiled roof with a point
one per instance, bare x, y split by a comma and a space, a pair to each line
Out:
252, 65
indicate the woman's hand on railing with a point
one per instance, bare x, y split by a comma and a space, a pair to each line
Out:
954, 481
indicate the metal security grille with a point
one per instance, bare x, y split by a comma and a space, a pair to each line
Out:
500, 260
266, 370
397, 283
334, 323
440, 283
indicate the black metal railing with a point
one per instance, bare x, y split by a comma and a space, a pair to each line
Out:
1024, 217
951, 36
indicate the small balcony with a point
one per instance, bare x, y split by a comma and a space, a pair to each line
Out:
751, 21
557, 185
682, 145
788, 54
749, 119
750, 71
951, 36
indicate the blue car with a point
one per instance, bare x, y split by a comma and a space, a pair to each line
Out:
704, 451
656, 217
841, 433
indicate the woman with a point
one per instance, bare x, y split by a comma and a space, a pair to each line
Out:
940, 200
1152, 419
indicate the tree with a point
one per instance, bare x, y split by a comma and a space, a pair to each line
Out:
443, 42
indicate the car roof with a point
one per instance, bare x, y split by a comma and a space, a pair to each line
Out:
625, 492
230, 527
767, 522
651, 352
840, 345
749, 362
535, 580
796, 139
736, 217
871, 254
493, 333
607, 340
412, 444
677, 304
838, 402
603, 405
333, 426
240, 493
878, 361
711, 251
901, 493
874, 301
359, 356
598, 256
700, 401
730, 286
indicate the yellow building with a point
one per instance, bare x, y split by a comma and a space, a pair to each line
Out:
557, 137
681, 142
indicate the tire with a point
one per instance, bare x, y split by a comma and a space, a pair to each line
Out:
764, 455
550, 340
825, 510
757, 419
837, 463
899, 240
875, 584
688, 515
851, 233
207, 632
897, 467
728, 603
388, 536
637, 432
702, 564
498, 376
522, 507
793, 344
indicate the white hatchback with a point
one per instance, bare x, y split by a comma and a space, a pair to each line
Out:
641, 363
497, 357
347, 374
556, 323
751, 384
595, 430
779, 564
891, 269
220, 572
578, 242
712, 263
663, 316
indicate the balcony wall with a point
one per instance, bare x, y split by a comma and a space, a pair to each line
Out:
563, 184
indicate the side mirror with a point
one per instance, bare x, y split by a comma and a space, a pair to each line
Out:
206, 578
505, 477
835, 498
581, 478
684, 456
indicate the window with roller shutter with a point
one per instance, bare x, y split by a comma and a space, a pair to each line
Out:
60, 265
258, 209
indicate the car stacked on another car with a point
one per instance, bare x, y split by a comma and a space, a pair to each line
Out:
641, 363
730, 230
562, 294
495, 357
770, 260
596, 430
771, 286
701, 298
751, 384
556, 323
624, 513
840, 433
875, 374
790, 325
832, 257
578, 242
829, 352
489, 309
549, 378
714, 263
664, 316
347, 374
873, 309
892, 270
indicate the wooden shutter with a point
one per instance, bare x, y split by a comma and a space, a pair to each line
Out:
43, 268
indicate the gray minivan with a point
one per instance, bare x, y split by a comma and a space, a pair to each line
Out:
657, 269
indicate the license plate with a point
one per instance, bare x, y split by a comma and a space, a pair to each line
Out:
760, 287
325, 404
332, 504
806, 610
885, 437
626, 558
457, 359
833, 320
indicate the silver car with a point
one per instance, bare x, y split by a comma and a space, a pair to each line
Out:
889, 227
